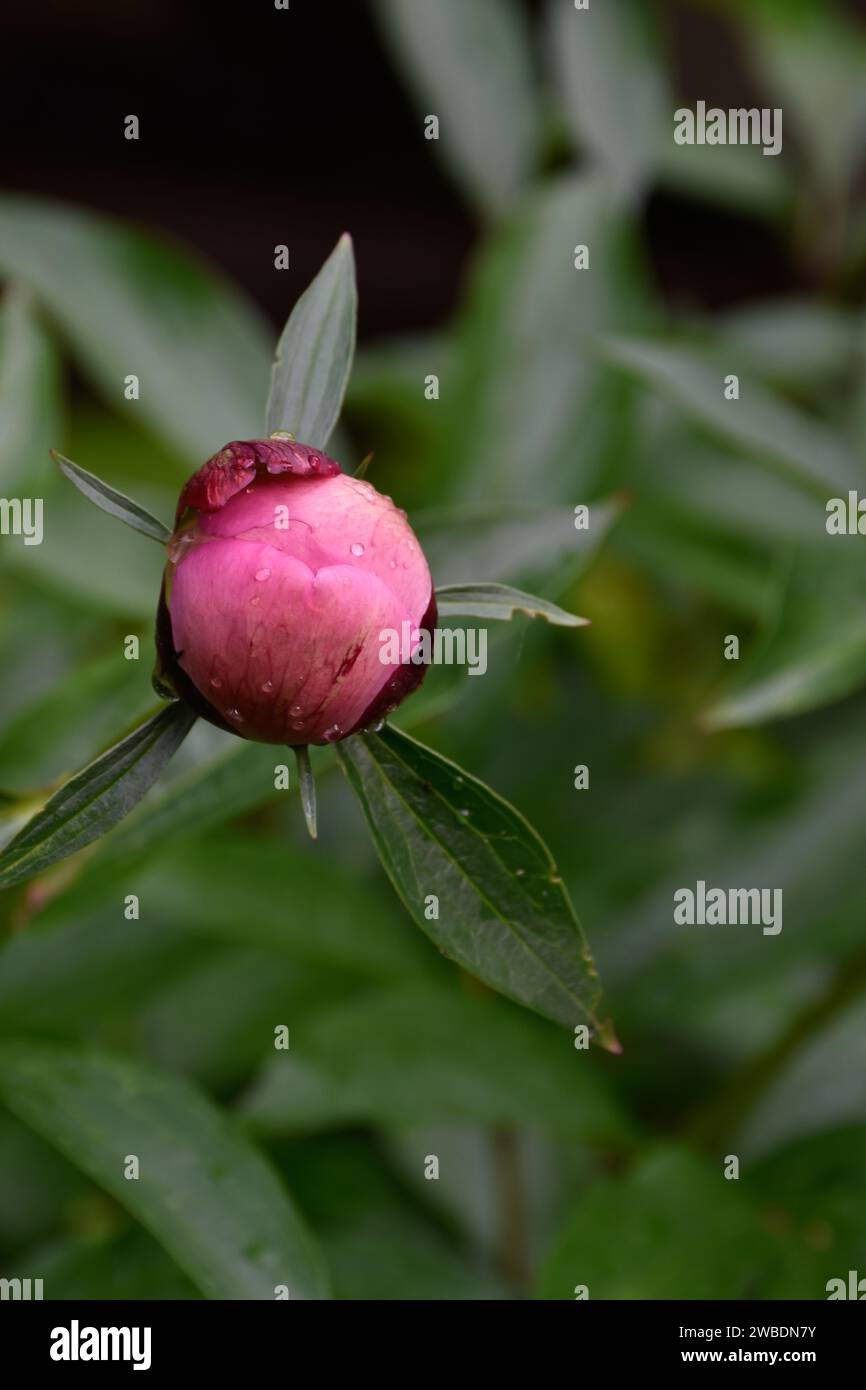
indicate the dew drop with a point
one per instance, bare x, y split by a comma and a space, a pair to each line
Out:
331, 735
392, 564
379, 724
297, 723
295, 710
262, 575
267, 687
215, 682
519, 872
236, 715
254, 601
464, 812
357, 548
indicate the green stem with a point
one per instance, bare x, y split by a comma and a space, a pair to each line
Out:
307, 787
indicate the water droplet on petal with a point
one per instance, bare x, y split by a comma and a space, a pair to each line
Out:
267, 687
236, 715
379, 724
331, 735
262, 575
295, 710
347, 581
254, 601
392, 564
297, 723
357, 548
215, 682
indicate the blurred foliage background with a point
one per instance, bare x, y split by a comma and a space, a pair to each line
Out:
605, 387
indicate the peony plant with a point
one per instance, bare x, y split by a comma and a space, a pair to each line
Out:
282, 573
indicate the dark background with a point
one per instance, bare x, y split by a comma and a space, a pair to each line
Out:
261, 126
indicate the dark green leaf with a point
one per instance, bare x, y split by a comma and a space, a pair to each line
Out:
203, 1190
94, 800
314, 354
112, 501
501, 602
503, 910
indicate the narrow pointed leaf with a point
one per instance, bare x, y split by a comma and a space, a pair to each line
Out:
501, 602
95, 799
203, 1190
504, 913
315, 351
28, 392
112, 501
764, 424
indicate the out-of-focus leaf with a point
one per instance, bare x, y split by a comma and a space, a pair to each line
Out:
503, 912
737, 176
426, 1054
510, 542
64, 727
818, 1183
599, 54
469, 65
811, 59
314, 354
131, 304
268, 894
96, 798
816, 650
28, 391
823, 1086
673, 1227
532, 411
791, 341
501, 602
203, 1190
772, 430
379, 1243
125, 1266
109, 500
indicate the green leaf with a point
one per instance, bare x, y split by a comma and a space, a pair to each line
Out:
816, 650
598, 55
28, 391
315, 351
504, 913
765, 425
111, 501
421, 1054
131, 303
94, 800
470, 65
532, 412
672, 1227
510, 542
203, 1190
500, 601
64, 726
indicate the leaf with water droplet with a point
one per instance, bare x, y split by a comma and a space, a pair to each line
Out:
504, 913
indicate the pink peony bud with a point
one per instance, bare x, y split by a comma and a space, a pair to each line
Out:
283, 572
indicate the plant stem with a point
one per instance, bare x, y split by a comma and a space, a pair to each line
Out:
307, 787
